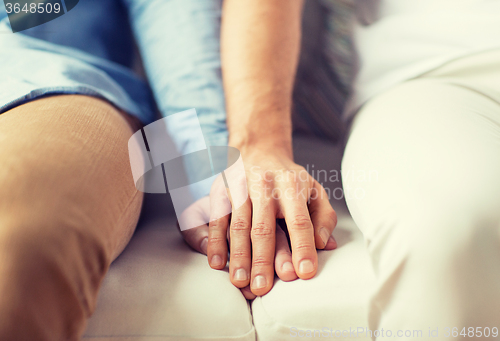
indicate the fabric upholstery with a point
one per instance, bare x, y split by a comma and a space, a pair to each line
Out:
160, 289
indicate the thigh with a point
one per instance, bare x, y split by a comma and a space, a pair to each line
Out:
423, 146
68, 206
420, 173
65, 159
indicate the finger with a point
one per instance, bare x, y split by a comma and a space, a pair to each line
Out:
283, 259
217, 243
294, 209
240, 246
197, 238
247, 293
194, 220
323, 216
220, 208
263, 244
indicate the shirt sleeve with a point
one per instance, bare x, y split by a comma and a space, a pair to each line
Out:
179, 42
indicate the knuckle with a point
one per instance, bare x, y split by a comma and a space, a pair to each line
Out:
262, 230
301, 222
216, 225
240, 224
291, 177
303, 247
216, 240
264, 180
260, 261
267, 176
332, 215
239, 254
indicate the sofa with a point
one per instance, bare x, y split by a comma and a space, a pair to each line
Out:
160, 289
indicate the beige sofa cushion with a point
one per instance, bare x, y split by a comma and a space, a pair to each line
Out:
333, 302
159, 289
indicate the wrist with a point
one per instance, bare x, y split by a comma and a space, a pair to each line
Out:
261, 130
249, 144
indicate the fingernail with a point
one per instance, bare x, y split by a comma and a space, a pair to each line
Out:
203, 245
287, 267
324, 234
259, 282
216, 260
331, 239
240, 275
306, 266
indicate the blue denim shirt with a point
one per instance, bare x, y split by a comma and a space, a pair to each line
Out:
89, 50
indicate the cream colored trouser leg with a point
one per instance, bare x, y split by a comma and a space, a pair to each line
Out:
68, 206
422, 177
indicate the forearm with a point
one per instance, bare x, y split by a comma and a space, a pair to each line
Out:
260, 48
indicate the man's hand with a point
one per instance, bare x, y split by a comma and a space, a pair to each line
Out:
278, 189
260, 42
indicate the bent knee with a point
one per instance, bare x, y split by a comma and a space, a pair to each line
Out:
66, 154
49, 279
38, 257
